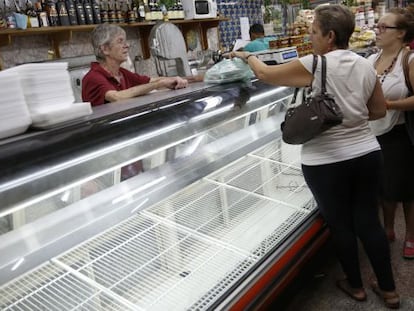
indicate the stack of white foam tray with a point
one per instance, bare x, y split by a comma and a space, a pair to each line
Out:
14, 115
48, 94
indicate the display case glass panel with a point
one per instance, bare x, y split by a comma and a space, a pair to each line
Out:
220, 193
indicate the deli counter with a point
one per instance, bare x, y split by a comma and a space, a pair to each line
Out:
178, 200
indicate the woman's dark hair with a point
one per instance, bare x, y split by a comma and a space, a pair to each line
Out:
337, 18
405, 21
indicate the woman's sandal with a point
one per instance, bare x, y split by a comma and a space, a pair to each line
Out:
408, 251
391, 299
357, 294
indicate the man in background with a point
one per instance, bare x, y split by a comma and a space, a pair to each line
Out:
258, 41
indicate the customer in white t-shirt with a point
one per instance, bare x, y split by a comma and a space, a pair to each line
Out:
342, 166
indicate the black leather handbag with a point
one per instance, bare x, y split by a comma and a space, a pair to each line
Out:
314, 115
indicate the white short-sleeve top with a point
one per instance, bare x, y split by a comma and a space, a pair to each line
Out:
351, 79
394, 88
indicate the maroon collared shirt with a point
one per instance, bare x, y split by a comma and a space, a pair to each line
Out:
98, 81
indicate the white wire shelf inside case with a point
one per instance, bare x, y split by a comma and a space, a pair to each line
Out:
182, 253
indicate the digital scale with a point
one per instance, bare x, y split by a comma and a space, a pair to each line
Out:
277, 56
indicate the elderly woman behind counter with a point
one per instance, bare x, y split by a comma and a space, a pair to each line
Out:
107, 81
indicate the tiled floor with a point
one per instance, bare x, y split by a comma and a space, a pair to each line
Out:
315, 289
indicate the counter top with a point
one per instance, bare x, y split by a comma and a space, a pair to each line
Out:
103, 111
145, 100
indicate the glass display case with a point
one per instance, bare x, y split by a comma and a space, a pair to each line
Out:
219, 217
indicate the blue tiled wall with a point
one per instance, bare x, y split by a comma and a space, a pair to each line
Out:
230, 31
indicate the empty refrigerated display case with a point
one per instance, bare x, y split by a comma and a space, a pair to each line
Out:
220, 218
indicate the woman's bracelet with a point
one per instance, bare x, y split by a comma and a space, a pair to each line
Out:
247, 57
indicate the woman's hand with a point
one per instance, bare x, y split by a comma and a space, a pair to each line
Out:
240, 54
173, 82
180, 83
387, 105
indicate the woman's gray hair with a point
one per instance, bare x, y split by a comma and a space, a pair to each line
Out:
337, 18
103, 35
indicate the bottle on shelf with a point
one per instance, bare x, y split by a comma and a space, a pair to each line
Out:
62, 13
87, 7
41, 15
111, 13
70, 7
53, 14
126, 6
9, 16
96, 12
135, 8
132, 11
33, 21
141, 11
104, 11
116, 10
119, 11
80, 12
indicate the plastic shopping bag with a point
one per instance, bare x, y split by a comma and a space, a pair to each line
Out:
228, 70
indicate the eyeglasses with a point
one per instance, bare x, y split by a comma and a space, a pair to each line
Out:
382, 28
120, 41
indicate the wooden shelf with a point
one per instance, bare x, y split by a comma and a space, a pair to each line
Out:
59, 34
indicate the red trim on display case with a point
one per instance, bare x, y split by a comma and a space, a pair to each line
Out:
306, 241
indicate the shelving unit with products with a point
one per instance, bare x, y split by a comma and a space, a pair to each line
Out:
59, 19
59, 34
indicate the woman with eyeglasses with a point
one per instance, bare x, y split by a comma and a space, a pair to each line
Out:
395, 30
107, 81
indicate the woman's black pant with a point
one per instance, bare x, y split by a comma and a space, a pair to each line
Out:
347, 196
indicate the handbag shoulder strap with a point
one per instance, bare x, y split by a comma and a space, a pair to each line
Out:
406, 70
314, 64
323, 74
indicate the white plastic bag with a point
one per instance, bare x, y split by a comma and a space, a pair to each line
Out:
228, 70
